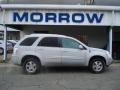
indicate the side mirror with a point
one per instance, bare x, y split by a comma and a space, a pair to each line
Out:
81, 47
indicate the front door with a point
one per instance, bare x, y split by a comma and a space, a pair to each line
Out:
71, 53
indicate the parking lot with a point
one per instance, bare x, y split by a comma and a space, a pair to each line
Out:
71, 78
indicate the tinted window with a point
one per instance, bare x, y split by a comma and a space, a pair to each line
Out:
49, 42
28, 41
69, 43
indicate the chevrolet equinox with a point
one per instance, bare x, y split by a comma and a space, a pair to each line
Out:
36, 50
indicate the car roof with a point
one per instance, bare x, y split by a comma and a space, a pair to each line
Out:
46, 35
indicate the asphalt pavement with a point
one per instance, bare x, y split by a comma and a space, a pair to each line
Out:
62, 78
13, 78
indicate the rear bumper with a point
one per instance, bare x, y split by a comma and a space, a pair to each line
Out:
16, 60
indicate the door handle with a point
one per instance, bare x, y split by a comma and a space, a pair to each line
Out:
40, 49
65, 51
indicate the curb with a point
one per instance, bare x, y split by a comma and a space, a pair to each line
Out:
7, 65
116, 61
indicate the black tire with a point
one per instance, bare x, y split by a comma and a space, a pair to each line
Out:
35, 65
97, 65
2, 51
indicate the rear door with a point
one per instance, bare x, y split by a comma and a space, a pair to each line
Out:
49, 49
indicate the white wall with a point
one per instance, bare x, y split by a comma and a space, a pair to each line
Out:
97, 2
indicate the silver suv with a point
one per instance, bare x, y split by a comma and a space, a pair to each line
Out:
36, 50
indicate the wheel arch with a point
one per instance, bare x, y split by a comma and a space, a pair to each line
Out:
29, 56
97, 56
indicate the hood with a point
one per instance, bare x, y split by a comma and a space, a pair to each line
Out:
97, 49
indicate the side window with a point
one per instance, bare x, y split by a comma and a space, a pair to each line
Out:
28, 41
69, 43
49, 42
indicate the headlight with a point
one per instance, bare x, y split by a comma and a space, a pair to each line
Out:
108, 53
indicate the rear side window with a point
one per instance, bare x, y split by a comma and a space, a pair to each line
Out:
49, 42
28, 41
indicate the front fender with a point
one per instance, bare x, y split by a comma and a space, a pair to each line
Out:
96, 54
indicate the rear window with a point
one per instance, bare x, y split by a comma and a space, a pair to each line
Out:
28, 41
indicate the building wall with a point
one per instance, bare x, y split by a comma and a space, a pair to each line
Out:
97, 2
96, 36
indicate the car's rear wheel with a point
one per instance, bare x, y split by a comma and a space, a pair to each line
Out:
31, 66
97, 65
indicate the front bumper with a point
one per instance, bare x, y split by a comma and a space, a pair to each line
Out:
109, 60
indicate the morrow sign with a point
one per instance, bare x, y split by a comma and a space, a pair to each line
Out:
66, 17
57, 17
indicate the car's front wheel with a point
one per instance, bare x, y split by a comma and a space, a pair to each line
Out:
31, 66
97, 65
